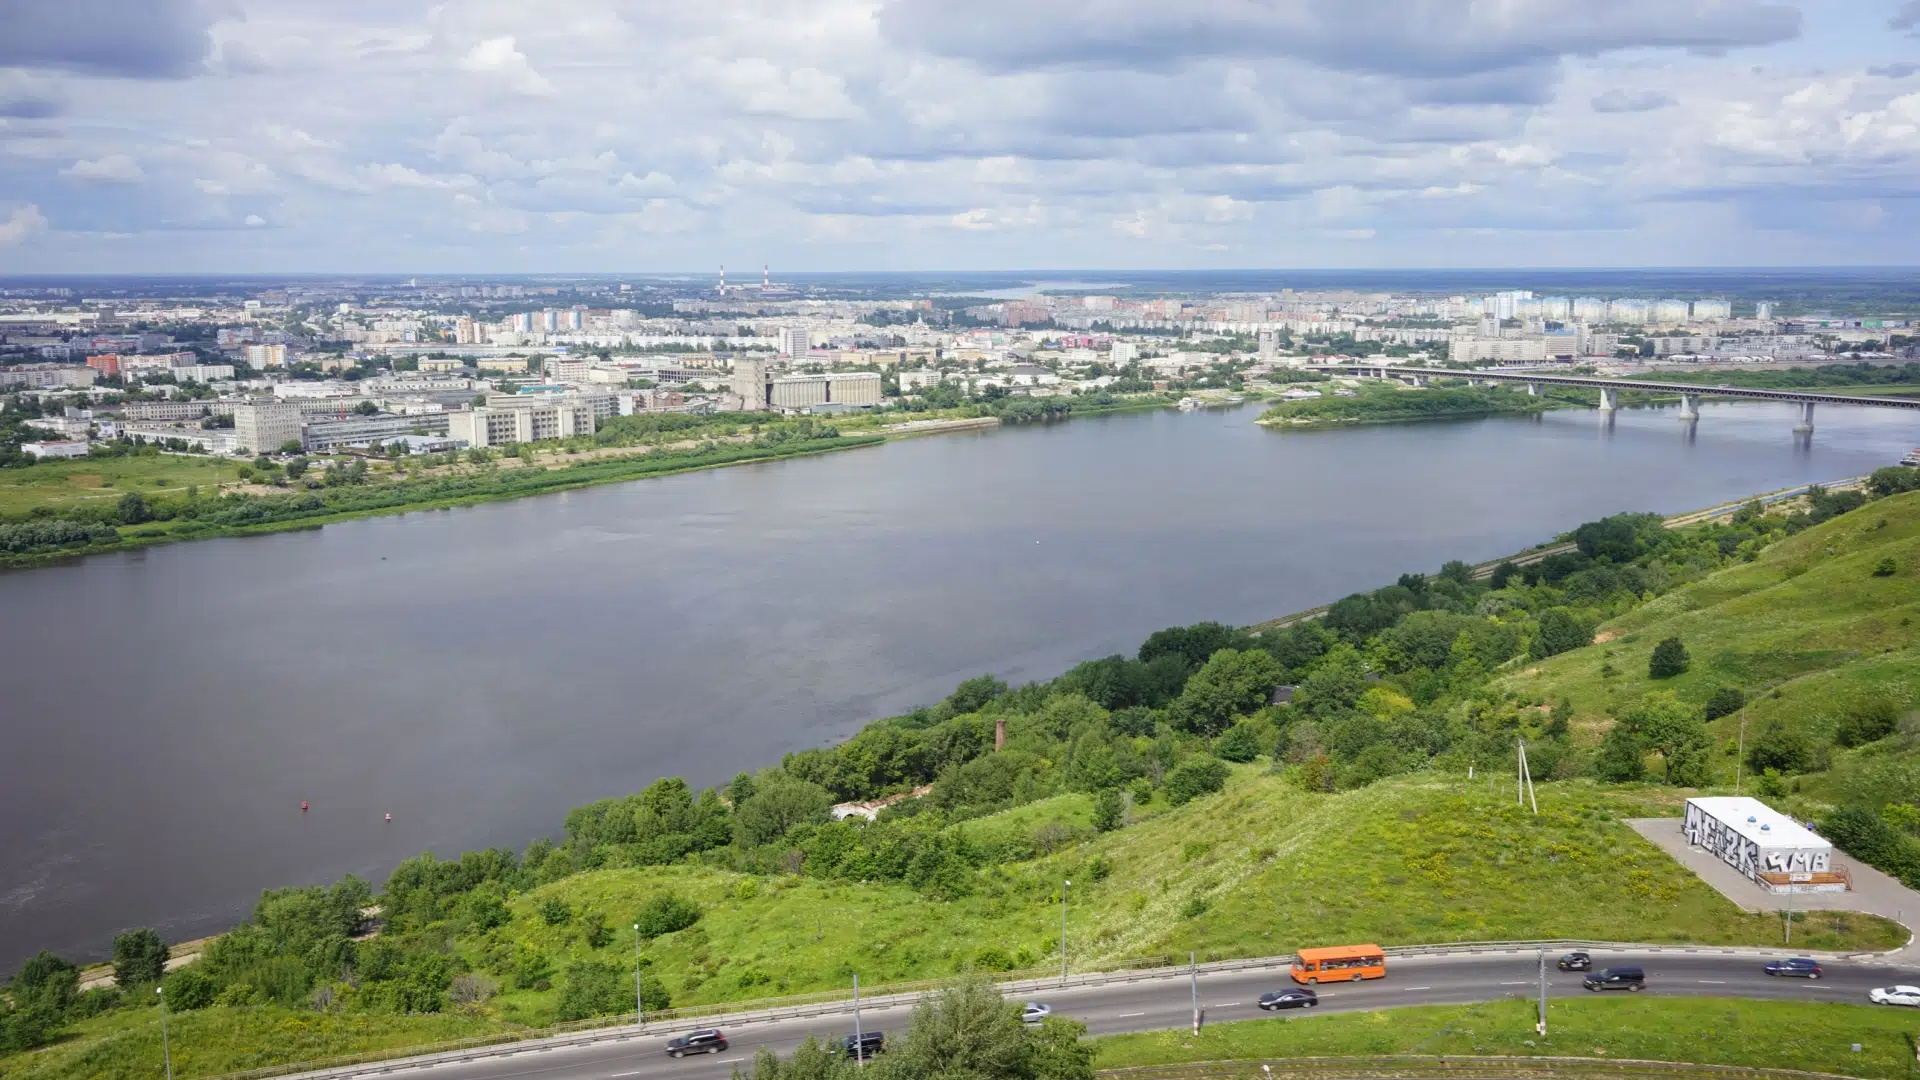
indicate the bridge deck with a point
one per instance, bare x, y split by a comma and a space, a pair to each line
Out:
1597, 382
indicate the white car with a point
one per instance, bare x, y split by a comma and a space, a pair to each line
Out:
1036, 1012
1895, 995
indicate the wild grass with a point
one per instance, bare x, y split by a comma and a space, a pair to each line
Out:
61, 484
1717, 1031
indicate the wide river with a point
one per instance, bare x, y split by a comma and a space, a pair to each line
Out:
476, 672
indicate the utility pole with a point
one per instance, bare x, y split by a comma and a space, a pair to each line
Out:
1541, 1027
639, 1002
166, 1049
1064, 886
1789, 909
1193, 977
1740, 758
859, 1044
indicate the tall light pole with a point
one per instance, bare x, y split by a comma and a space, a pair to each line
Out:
859, 1038
1543, 993
1193, 981
1064, 886
166, 1050
639, 1002
1740, 756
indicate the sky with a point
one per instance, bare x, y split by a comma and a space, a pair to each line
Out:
486, 136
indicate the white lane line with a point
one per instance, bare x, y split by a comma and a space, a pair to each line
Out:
1129, 1016
1711, 982
1226, 1005
1522, 982
635, 1072
1413, 989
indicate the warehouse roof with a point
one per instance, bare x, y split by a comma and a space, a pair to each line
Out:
1759, 822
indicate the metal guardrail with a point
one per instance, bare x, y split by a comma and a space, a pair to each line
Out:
612, 1029
1411, 1067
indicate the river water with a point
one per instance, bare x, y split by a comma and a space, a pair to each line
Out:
476, 672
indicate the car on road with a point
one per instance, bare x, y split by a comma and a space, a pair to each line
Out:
704, 1041
1799, 967
1034, 1012
1616, 978
1895, 995
1297, 998
864, 1045
1576, 961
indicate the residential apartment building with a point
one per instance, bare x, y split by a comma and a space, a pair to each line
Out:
46, 377
266, 356
523, 421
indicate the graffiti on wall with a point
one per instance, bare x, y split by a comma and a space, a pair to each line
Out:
1703, 830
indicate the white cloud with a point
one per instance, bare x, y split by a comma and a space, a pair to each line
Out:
500, 58
254, 221
110, 168
22, 223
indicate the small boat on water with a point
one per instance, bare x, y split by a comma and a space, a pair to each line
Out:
1912, 460
1188, 404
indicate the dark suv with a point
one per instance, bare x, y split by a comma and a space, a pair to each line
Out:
1616, 978
704, 1041
864, 1045
1577, 961
1799, 967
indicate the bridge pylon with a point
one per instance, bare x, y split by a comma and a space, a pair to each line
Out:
1805, 426
1689, 408
1607, 402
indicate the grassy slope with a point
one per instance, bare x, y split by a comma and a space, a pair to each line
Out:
1410, 860
1775, 1034
1805, 630
61, 484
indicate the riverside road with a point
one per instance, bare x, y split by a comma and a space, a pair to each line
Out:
1163, 1000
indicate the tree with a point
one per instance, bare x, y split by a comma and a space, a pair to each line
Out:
139, 958
1109, 806
780, 803
291, 446
965, 1032
1867, 720
45, 978
1194, 645
133, 509
1334, 686
1622, 757
1779, 747
1240, 744
1195, 777
1674, 729
1669, 659
1230, 684
1893, 480
1725, 701
1558, 632
666, 913
296, 468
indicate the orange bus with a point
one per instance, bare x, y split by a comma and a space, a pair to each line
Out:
1342, 963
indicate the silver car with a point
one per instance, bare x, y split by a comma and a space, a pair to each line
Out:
1034, 1012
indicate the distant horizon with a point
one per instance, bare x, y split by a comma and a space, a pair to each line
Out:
746, 279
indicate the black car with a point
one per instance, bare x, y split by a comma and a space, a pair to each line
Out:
1298, 998
1616, 978
704, 1041
1576, 961
1799, 967
864, 1045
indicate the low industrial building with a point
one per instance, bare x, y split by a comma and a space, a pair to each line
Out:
521, 421
56, 449
318, 434
1767, 847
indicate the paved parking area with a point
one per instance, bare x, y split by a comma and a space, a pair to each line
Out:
1873, 892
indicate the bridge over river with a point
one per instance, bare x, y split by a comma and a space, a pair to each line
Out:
1690, 394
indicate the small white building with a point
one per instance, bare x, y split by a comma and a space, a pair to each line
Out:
1766, 846
61, 449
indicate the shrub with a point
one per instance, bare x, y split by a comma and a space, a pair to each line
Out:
1558, 632
1241, 743
1885, 567
190, 988
1669, 659
554, 911
665, 913
593, 989
1725, 701
1779, 749
1622, 757
139, 958
595, 930
1108, 808
1195, 777
1867, 721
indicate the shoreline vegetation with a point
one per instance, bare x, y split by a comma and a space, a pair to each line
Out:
1378, 403
296, 493
1191, 812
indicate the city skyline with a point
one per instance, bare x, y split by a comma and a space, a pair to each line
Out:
602, 136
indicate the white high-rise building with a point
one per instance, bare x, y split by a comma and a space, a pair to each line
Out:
266, 356
265, 426
1712, 310
1670, 312
1123, 353
795, 341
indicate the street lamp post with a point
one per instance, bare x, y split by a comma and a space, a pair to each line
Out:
1064, 886
166, 1050
639, 1002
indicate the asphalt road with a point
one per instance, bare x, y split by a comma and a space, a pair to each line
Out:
1164, 1001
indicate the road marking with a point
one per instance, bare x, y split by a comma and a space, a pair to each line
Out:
1412, 989
1712, 982
635, 1072
1226, 1005
1522, 982
1129, 1016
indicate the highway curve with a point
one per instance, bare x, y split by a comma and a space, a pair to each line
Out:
1162, 1000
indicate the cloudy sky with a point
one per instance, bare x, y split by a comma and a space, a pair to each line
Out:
634, 135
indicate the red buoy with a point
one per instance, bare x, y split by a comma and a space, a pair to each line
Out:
303, 806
